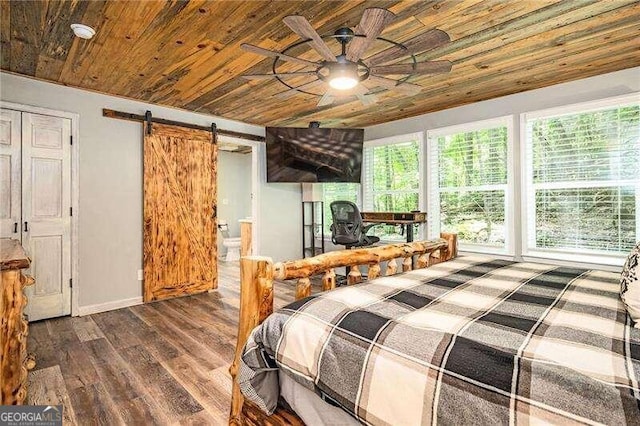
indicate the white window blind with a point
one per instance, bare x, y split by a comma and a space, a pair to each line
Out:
583, 180
469, 183
392, 179
334, 192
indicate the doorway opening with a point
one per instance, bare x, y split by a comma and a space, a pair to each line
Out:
238, 187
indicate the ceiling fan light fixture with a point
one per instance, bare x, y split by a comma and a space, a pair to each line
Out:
343, 76
343, 82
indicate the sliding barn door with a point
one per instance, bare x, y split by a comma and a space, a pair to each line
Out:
180, 251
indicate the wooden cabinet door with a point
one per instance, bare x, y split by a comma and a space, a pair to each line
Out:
46, 213
180, 251
10, 174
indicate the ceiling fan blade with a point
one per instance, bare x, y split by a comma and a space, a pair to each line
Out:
429, 67
387, 83
303, 28
286, 74
405, 88
291, 92
373, 21
326, 99
420, 43
266, 52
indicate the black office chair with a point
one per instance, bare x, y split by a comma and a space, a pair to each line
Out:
347, 228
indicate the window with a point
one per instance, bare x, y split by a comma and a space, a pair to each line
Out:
582, 180
392, 179
469, 188
333, 192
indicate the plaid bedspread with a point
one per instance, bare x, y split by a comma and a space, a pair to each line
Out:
469, 341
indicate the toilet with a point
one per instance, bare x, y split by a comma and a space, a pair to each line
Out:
231, 244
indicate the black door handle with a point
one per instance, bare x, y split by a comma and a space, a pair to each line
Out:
26, 227
15, 227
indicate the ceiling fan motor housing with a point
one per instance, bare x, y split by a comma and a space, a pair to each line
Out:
344, 35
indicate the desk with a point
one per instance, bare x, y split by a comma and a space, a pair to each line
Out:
396, 218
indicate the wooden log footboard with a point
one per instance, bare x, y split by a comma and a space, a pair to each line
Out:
256, 297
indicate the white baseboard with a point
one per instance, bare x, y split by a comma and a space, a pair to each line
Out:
109, 306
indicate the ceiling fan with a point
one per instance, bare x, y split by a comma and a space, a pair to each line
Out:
348, 74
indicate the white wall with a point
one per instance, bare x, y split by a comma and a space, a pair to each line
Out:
285, 211
279, 207
234, 191
110, 216
599, 87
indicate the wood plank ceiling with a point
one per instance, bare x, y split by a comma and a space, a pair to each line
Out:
187, 54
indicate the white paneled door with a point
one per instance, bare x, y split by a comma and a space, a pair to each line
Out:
10, 175
46, 213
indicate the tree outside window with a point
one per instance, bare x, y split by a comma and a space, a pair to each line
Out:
470, 183
583, 180
392, 180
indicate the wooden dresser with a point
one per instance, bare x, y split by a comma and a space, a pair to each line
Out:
14, 361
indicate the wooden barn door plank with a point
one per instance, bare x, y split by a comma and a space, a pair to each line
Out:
180, 250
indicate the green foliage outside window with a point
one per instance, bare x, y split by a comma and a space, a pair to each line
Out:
472, 178
586, 168
478, 217
392, 176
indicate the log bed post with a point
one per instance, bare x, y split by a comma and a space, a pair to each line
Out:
449, 252
303, 288
329, 280
354, 276
374, 271
392, 267
423, 261
256, 303
407, 264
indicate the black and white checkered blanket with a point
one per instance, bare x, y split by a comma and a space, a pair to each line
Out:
469, 341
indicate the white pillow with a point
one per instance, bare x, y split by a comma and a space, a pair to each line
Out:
630, 284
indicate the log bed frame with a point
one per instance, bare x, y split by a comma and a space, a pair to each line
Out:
256, 297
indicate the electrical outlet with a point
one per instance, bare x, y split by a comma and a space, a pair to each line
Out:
225, 201
140, 275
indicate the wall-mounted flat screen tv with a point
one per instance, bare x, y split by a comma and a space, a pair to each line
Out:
314, 154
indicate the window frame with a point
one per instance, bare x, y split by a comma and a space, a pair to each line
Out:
509, 188
393, 140
528, 191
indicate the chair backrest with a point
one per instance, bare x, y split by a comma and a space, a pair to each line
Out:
347, 226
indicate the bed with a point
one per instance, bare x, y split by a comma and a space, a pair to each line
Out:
460, 340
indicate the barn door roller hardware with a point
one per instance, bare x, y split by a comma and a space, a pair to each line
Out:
147, 118
150, 119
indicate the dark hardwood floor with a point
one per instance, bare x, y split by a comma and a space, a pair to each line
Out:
160, 363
